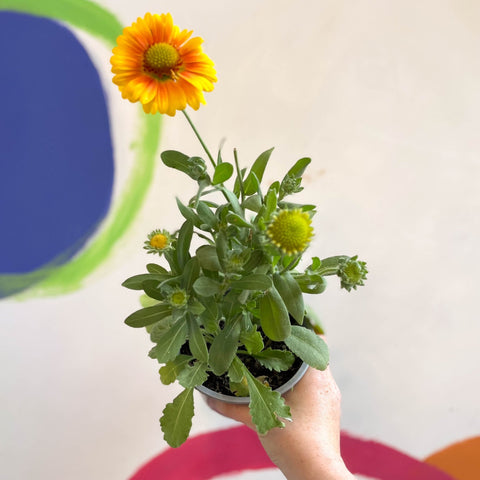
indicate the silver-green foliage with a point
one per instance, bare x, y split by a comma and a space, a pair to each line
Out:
237, 293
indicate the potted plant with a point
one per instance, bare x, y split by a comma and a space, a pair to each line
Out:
224, 307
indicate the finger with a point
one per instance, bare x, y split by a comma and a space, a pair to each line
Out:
240, 413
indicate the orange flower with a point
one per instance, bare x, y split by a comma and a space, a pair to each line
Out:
160, 66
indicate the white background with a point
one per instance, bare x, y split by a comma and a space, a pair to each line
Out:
384, 96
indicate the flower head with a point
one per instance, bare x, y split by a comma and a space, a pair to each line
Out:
160, 66
178, 298
291, 231
158, 242
352, 273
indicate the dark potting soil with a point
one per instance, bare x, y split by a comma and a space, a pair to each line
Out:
221, 384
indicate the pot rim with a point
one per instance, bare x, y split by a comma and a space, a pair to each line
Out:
244, 400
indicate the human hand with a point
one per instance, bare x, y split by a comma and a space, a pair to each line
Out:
309, 446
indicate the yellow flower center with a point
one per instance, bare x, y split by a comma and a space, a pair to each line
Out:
161, 59
178, 298
291, 231
159, 241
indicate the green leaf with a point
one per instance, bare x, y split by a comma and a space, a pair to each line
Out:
291, 294
223, 172
196, 340
274, 317
254, 281
270, 203
194, 167
149, 315
278, 360
169, 341
154, 268
206, 214
146, 301
193, 375
224, 347
256, 258
189, 214
169, 372
253, 184
235, 372
232, 200
209, 318
176, 160
208, 258
195, 307
183, 243
221, 243
150, 288
258, 168
190, 273
253, 203
176, 421
136, 282
299, 167
309, 347
206, 287
252, 340
239, 221
266, 406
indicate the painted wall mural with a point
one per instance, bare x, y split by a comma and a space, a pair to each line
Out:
57, 171
60, 220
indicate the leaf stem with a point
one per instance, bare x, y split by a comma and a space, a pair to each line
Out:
199, 138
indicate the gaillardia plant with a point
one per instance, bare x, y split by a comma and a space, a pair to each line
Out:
225, 311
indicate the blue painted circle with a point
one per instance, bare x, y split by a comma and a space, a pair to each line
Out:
56, 160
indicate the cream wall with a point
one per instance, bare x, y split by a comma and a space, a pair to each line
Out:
384, 97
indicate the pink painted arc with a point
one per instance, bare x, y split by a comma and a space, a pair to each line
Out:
238, 449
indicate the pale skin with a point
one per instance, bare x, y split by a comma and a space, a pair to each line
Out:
309, 447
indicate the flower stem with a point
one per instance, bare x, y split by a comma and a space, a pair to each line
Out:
199, 138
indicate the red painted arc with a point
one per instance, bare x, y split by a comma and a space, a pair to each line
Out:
238, 449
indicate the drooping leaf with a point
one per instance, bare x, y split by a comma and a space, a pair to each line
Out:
169, 372
254, 281
308, 346
206, 287
291, 294
176, 421
278, 360
149, 315
223, 172
208, 258
169, 341
274, 317
224, 347
196, 340
266, 406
